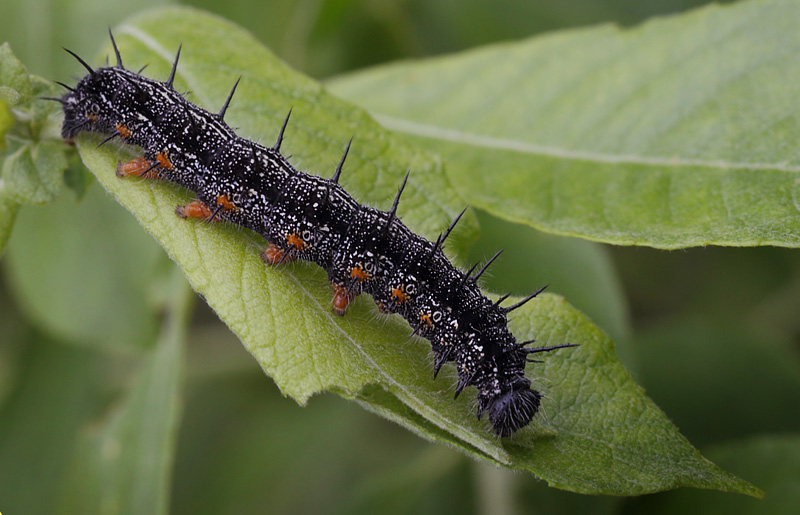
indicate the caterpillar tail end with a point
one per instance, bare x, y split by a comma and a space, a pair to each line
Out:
513, 410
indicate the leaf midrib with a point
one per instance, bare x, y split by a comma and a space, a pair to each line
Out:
457, 136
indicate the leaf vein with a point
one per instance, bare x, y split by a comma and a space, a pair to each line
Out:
457, 136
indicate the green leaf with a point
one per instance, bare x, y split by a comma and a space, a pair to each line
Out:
15, 84
598, 432
678, 132
33, 173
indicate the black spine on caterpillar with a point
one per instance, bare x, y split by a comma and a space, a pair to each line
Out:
311, 218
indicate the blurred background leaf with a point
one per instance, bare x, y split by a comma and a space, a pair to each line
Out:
63, 280
124, 463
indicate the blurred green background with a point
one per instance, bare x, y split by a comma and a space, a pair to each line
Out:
713, 334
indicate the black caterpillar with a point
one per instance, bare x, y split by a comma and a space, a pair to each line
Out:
306, 217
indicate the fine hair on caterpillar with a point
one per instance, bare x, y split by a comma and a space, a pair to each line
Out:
310, 218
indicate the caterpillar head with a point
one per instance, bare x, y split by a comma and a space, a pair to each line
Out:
89, 106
